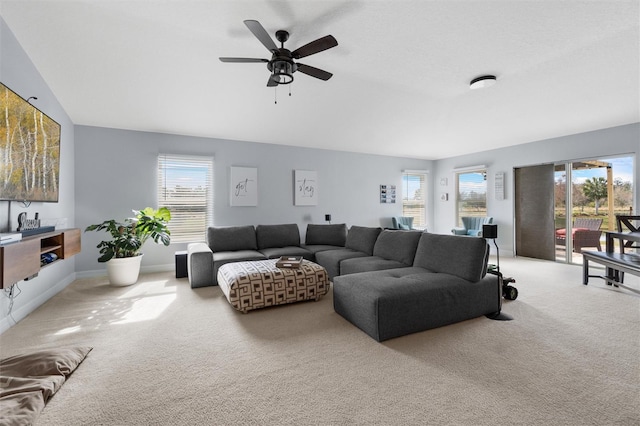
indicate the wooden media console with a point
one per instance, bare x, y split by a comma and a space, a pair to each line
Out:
21, 260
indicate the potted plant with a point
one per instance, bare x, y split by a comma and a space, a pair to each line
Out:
122, 253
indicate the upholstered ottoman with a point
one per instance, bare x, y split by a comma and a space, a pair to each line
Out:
258, 284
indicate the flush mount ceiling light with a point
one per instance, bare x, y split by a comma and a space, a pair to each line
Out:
482, 82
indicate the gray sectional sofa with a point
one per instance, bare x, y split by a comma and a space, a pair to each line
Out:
389, 283
225, 244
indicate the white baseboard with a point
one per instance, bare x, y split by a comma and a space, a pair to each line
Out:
19, 314
143, 270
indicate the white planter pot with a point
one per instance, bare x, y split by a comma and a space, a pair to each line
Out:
124, 271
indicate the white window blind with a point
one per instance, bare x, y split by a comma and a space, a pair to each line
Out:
185, 187
414, 192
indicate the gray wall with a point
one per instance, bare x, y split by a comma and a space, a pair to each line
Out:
19, 74
116, 172
597, 144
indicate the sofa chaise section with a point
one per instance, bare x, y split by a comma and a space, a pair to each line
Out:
446, 284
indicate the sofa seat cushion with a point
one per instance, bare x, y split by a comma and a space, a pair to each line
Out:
368, 263
285, 235
330, 234
362, 239
457, 255
231, 238
315, 248
224, 257
276, 252
397, 245
396, 302
331, 259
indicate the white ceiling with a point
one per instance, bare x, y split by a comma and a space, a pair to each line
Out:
401, 70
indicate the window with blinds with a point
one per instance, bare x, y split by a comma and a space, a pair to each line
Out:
414, 192
185, 187
471, 197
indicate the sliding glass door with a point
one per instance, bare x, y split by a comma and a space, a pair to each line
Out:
587, 195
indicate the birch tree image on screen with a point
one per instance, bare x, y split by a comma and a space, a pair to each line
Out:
29, 150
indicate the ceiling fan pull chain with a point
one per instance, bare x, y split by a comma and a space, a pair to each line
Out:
289, 90
275, 95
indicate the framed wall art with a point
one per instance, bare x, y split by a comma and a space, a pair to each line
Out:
243, 186
387, 194
305, 188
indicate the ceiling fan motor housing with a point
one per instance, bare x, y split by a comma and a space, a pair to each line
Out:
282, 66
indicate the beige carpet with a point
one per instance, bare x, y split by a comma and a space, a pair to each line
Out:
166, 354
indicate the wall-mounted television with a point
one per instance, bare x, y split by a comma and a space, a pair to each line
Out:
29, 151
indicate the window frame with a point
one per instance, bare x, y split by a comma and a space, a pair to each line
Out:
181, 230
474, 170
418, 223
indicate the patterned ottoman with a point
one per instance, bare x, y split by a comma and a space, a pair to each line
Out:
258, 284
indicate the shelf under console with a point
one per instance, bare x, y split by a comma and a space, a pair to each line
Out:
22, 260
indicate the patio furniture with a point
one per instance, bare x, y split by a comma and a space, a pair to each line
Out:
628, 223
585, 233
472, 225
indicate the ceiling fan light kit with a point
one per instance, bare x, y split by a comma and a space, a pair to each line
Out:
282, 64
482, 82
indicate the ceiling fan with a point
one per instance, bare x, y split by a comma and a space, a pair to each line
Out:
282, 63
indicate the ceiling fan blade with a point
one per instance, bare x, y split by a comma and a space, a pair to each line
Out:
243, 60
261, 34
314, 72
316, 46
272, 82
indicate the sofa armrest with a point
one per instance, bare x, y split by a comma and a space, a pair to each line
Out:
459, 231
200, 265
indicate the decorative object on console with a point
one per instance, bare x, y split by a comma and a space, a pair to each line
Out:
122, 252
244, 186
327, 218
305, 188
29, 227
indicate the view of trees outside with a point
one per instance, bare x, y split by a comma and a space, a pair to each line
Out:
472, 194
413, 198
589, 191
185, 188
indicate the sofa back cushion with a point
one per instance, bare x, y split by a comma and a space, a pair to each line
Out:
362, 239
277, 235
231, 238
330, 235
465, 257
397, 245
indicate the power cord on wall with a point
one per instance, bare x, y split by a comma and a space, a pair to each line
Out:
11, 293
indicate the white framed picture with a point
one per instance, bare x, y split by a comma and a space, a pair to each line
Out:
305, 188
243, 186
